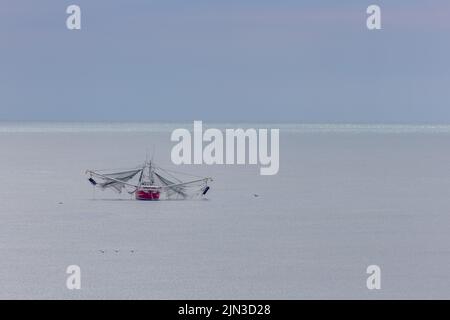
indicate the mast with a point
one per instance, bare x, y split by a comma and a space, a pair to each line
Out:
150, 168
141, 176
150, 172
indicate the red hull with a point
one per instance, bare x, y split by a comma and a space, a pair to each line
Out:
147, 195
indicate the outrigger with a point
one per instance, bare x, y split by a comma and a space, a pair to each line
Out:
153, 183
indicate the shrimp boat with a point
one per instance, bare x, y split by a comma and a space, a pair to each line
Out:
150, 182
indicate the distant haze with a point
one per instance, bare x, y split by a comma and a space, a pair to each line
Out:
231, 60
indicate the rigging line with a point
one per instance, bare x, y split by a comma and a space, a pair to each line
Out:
178, 172
170, 175
118, 169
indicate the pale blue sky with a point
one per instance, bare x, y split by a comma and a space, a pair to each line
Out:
227, 60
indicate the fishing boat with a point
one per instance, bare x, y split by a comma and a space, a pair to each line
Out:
150, 182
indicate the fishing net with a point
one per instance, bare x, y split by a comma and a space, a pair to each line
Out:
114, 180
174, 188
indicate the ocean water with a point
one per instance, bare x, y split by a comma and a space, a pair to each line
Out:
345, 197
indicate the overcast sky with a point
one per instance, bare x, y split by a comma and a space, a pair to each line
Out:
226, 60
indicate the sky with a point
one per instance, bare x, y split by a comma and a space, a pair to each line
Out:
311, 61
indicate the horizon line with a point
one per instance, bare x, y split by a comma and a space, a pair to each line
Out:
223, 122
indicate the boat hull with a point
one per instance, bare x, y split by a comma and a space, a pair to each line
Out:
148, 195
